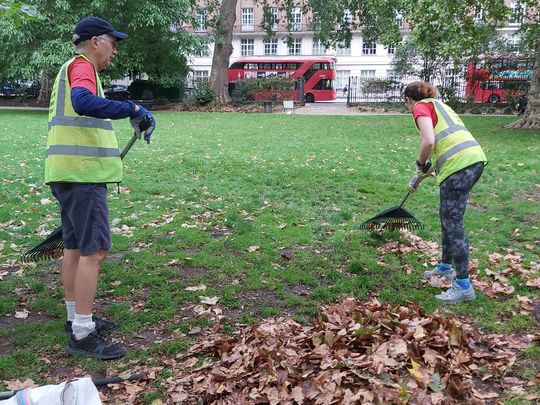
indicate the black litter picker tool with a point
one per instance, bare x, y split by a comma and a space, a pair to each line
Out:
396, 217
53, 245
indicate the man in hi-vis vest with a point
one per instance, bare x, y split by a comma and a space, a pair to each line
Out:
82, 157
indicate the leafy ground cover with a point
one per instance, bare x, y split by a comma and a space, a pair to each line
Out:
229, 221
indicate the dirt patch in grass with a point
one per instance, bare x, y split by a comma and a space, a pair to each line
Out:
259, 297
33, 317
527, 195
188, 273
220, 232
6, 345
477, 207
299, 289
254, 303
194, 249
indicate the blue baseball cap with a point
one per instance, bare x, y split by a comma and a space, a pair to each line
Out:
90, 27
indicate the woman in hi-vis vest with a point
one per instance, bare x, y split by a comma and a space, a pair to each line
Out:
449, 149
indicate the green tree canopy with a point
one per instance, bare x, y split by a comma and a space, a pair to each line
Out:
156, 45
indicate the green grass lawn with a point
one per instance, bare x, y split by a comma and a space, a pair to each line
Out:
263, 210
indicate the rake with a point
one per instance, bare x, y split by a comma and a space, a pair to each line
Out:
53, 245
396, 217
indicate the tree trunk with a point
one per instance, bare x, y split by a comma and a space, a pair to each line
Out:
531, 118
45, 89
223, 49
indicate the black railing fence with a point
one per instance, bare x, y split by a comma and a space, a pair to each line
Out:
390, 89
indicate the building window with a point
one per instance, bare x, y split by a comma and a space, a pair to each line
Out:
369, 48
400, 20
364, 74
347, 16
517, 13
201, 21
295, 48
342, 78
513, 42
205, 51
391, 49
247, 47
275, 20
247, 19
318, 48
479, 14
296, 19
200, 76
270, 46
343, 50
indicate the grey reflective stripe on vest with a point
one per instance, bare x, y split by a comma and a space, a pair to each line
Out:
452, 151
62, 121
83, 121
92, 151
452, 126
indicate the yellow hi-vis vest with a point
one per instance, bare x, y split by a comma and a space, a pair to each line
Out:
80, 149
455, 148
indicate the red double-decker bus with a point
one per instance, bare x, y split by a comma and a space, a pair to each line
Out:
319, 73
492, 80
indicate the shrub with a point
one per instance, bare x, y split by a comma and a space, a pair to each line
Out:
508, 110
203, 93
242, 93
449, 96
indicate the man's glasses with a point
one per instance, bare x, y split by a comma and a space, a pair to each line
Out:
113, 43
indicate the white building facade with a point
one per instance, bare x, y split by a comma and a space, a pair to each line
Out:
359, 59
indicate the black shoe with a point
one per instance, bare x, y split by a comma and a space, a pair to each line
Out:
94, 345
102, 326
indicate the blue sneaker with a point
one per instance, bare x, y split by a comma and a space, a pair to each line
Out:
450, 275
456, 294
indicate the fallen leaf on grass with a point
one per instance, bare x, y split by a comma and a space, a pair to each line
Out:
21, 314
19, 385
484, 395
200, 287
208, 300
253, 248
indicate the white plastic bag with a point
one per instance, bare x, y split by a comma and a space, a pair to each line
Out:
81, 391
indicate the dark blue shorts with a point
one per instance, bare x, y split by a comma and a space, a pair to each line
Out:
85, 216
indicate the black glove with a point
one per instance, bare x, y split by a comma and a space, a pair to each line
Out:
422, 171
143, 122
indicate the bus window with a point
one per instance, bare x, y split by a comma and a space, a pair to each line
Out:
490, 85
237, 65
266, 66
279, 66
323, 84
316, 66
515, 85
252, 66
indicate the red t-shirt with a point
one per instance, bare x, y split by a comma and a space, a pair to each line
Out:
425, 110
81, 74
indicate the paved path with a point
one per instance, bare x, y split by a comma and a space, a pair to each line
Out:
326, 108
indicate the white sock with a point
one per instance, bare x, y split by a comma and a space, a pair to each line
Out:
82, 326
70, 307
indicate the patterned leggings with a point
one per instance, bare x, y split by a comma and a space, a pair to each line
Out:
454, 193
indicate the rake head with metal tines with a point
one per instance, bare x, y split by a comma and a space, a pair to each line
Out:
395, 217
52, 247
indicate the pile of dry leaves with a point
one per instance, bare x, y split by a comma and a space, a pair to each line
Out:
356, 352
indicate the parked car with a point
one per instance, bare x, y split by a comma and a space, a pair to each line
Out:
32, 91
8, 89
117, 92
